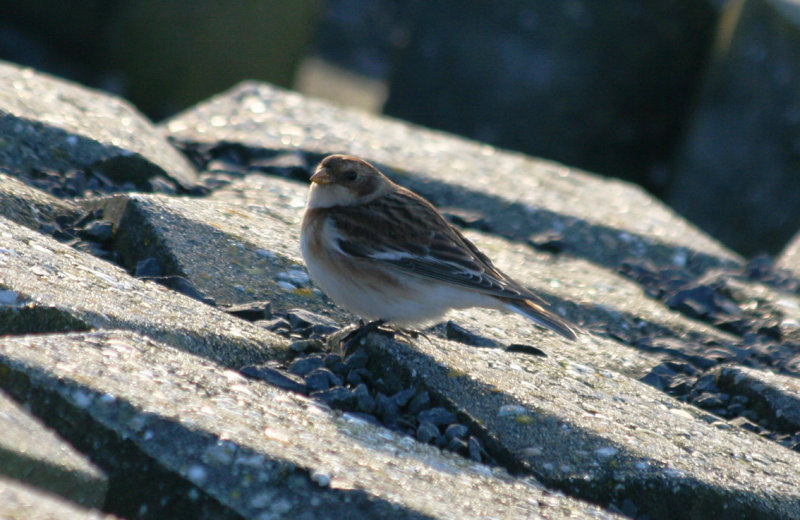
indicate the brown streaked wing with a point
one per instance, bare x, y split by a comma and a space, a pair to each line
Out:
405, 232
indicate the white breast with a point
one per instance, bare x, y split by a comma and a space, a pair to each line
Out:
373, 290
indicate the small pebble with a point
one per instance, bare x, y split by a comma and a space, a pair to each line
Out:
706, 383
276, 377
734, 409
663, 371
91, 247
303, 366
420, 402
336, 397
321, 478
300, 318
251, 311
679, 385
427, 432
286, 286
741, 399
703, 362
628, 508
606, 452
365, 402
696, 302
475, 449
358, 376
379, 385
332, 360
680, 366
402, 397
307, 345
321, 379
437, 415
357, 359
386, 409
275, 325
655, 380
548, 241
456, 431
746, 424
98, 230
160, 184
319, 330
455, 332
458, 445
526, 349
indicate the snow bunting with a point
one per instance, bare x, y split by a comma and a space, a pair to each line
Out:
385, 253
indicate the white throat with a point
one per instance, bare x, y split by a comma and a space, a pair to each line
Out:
328, 195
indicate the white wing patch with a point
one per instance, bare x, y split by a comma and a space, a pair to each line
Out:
390, 255
331, 237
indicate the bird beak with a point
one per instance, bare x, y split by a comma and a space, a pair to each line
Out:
322, 177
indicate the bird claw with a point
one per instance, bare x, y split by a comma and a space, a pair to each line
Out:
354, 337
410, 334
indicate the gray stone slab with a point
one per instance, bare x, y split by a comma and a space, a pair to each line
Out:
48, 286
598, 435
790, 256
28, 206
773, 395
642, 440
257, 450
20, 502
52, 124
602, 220
230, 252
32, 453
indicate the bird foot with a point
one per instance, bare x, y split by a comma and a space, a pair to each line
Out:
410, 334
354, 337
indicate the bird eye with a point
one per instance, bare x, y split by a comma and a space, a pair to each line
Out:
351, 175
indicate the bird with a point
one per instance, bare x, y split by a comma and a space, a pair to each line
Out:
388, 255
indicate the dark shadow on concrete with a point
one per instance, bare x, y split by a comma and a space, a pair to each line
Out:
654, 493
141, 487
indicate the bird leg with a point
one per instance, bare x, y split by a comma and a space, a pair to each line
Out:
354, 337
410, 334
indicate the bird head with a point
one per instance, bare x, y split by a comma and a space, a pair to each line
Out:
343, 180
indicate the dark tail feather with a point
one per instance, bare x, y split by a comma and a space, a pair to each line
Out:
544, 317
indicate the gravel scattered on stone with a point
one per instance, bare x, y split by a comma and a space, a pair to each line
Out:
348, 384
704, 298
730, 300
695, 369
